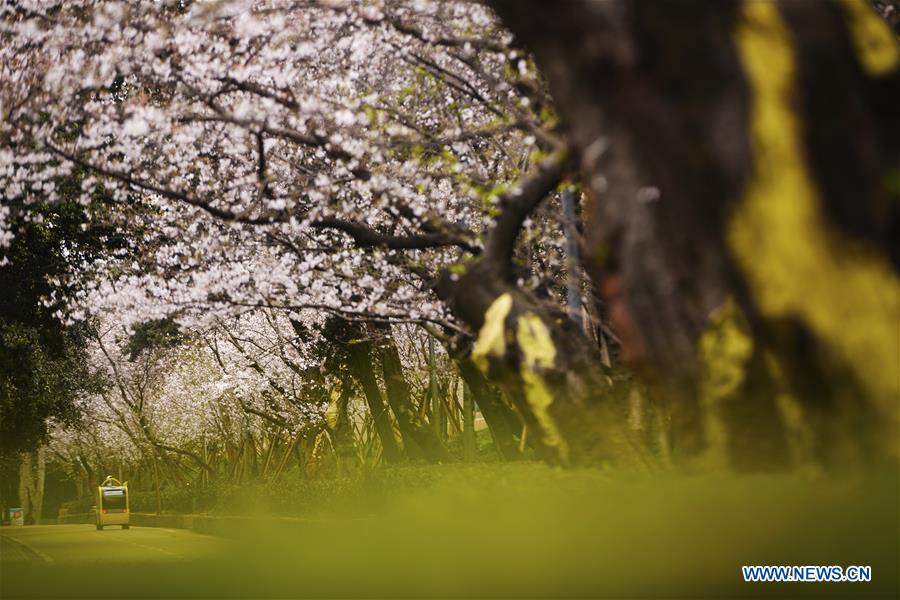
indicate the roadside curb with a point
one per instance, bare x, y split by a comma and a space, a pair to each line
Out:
220, 526
47, 560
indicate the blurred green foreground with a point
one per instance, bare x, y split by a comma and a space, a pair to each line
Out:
519, 530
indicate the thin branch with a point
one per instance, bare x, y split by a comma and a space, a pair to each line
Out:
185, 197
447, 42
367, 237
188, 453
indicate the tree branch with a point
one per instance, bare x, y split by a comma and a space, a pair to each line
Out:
188, 453
363, 235
516, 205
367, 237
187, 198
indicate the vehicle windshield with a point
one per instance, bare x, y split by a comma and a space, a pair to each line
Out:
113, 499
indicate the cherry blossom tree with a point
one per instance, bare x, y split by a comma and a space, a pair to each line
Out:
227, 403
388, 163
249, 174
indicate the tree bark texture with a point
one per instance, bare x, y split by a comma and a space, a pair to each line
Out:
361, 353
417, 436
741, 161
32, 471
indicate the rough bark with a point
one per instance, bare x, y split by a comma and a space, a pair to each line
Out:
32, 470
544, 364
741, 150
361, 352
501, 421
417, 436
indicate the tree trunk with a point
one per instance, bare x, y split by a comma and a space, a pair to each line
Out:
416, 434
718, 162
338, 422
469, 446
501, 420
361, 354
249, 456
545, 365
156, 484
32, 471
438, 420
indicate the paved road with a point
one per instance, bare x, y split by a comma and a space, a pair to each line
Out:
79, 561
71, 545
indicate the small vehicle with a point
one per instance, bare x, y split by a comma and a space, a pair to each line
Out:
112, 503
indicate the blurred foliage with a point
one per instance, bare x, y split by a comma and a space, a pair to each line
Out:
42, 365
527, 530
38, 382
157, 333
177, 500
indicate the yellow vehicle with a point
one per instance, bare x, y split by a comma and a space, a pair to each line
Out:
112, 503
